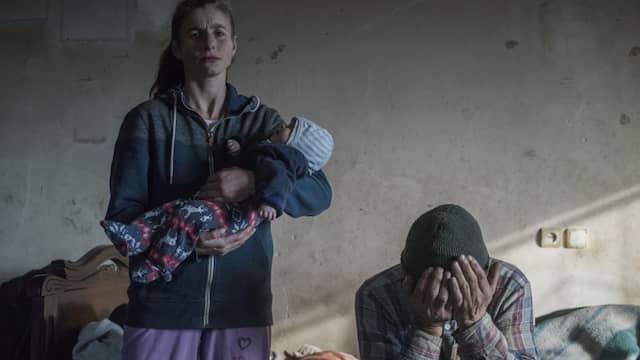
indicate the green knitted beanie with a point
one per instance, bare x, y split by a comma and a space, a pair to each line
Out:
439, 236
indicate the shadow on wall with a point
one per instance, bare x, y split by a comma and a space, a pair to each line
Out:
607, 204
603, 273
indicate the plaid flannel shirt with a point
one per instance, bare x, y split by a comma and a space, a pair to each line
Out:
386, 327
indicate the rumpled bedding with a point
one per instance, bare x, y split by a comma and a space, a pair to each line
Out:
606, 332
99, 340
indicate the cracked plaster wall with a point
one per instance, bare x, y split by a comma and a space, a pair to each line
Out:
524, 112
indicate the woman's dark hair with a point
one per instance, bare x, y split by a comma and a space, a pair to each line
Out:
171, 71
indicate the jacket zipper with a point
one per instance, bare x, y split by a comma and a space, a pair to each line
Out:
212, 259
207, 294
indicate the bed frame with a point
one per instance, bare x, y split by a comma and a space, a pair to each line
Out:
70, 295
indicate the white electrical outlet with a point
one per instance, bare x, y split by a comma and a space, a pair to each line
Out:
550, 237
576, 238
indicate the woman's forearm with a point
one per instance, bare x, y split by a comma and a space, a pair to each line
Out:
310, 196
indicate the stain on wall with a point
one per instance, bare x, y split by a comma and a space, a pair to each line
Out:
511, 44
277, 52
83, 140
625, 119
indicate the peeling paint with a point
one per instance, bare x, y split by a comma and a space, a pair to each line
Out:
388, 15
567, 82
26, 207
511, 44
77, 227
75, 216
468, 113
276, 53
92, 141
102, 203
625, 119
8, 199
70, 222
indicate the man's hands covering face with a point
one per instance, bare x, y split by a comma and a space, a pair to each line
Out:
471, 290
430, 299
462, 294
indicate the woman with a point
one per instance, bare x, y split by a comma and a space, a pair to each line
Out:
218, 304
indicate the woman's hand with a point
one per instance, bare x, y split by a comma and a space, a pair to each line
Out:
228, 185
217, 243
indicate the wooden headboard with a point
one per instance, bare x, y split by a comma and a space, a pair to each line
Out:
71, 295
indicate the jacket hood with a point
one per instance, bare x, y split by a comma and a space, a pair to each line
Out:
235, 103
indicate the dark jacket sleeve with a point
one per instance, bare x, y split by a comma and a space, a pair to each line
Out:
311, 195
128, 181
277, 167
252, 127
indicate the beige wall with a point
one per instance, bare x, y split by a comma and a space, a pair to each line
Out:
525, 112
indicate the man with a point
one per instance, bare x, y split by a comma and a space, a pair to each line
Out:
447, 299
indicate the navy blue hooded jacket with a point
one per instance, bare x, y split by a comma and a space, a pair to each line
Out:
162, 154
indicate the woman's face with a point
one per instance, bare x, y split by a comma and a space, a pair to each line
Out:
206, 45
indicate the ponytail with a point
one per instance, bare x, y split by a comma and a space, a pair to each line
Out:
170, 73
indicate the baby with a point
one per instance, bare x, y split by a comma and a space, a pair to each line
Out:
295, 149
168, 234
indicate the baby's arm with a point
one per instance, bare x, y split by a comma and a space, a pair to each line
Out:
251, 127
267, 212
277, 168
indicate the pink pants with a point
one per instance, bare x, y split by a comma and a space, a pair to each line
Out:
206, 344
